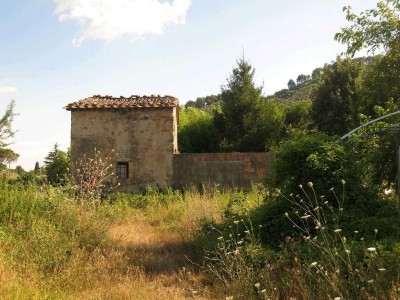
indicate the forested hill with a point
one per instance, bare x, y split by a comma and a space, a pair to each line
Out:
301, 89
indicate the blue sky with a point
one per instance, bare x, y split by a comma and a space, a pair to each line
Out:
54, 52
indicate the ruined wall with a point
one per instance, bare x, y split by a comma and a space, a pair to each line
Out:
143, 137
226, 169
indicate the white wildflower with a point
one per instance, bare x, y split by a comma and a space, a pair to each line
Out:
371, 249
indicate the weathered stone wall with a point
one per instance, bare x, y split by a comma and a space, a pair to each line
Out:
226, 169
143, 137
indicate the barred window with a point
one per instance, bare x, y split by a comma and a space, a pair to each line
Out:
122, 170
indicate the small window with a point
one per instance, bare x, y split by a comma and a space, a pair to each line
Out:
122, 170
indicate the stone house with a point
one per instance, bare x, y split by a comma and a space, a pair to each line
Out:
143, 131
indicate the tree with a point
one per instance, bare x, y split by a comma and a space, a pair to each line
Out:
291, 84
374, 29
377, 29
337, 98
57, 166
197, 132
37, 167
316, 73
7, 155
240, 109
302, 79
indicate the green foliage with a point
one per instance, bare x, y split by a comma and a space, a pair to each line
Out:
41, 230
7, 155
337, 98
6, 131
291, 84
313, 157
240, 109
381, 84
376, 147
203, 102
197, 132
57, 164
37, 167
373, 29
298, 115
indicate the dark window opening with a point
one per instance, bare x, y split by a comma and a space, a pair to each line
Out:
122, 170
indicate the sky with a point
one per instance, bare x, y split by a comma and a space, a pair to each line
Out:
54, 52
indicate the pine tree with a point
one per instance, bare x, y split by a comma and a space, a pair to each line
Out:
240, 109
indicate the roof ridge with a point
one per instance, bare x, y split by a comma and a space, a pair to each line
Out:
134, 101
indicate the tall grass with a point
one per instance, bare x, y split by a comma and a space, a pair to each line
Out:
55, 247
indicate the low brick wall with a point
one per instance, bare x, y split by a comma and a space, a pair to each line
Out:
226, 169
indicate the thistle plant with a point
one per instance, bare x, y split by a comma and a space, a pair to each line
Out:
92, 176
236, 261
342, 265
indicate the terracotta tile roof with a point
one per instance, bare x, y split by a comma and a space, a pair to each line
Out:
109, 102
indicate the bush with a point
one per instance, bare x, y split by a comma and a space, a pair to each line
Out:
322, 160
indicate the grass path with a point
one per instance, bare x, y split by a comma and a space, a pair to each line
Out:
159, 266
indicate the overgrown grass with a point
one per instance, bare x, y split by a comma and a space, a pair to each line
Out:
139, 246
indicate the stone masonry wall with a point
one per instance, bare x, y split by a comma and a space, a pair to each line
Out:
142, 137
226, 169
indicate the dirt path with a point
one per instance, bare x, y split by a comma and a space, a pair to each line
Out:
162, 256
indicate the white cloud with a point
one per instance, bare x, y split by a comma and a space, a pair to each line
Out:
7, 89
111, 19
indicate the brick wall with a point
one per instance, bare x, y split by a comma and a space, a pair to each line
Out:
226, 169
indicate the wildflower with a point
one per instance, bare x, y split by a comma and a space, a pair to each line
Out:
347, 251
247, 231
300, 186
317, 208
263, 291
310, 184
229, 298
286, 215
361, 239
337, 298
371, 249
236, 252
260, 226
381, 269
332, 188
240, 242
305, 217
313, 264
236, 222
257, 285
375, 231
337, 230
355, 231
343, 182
370, 281
220, 238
